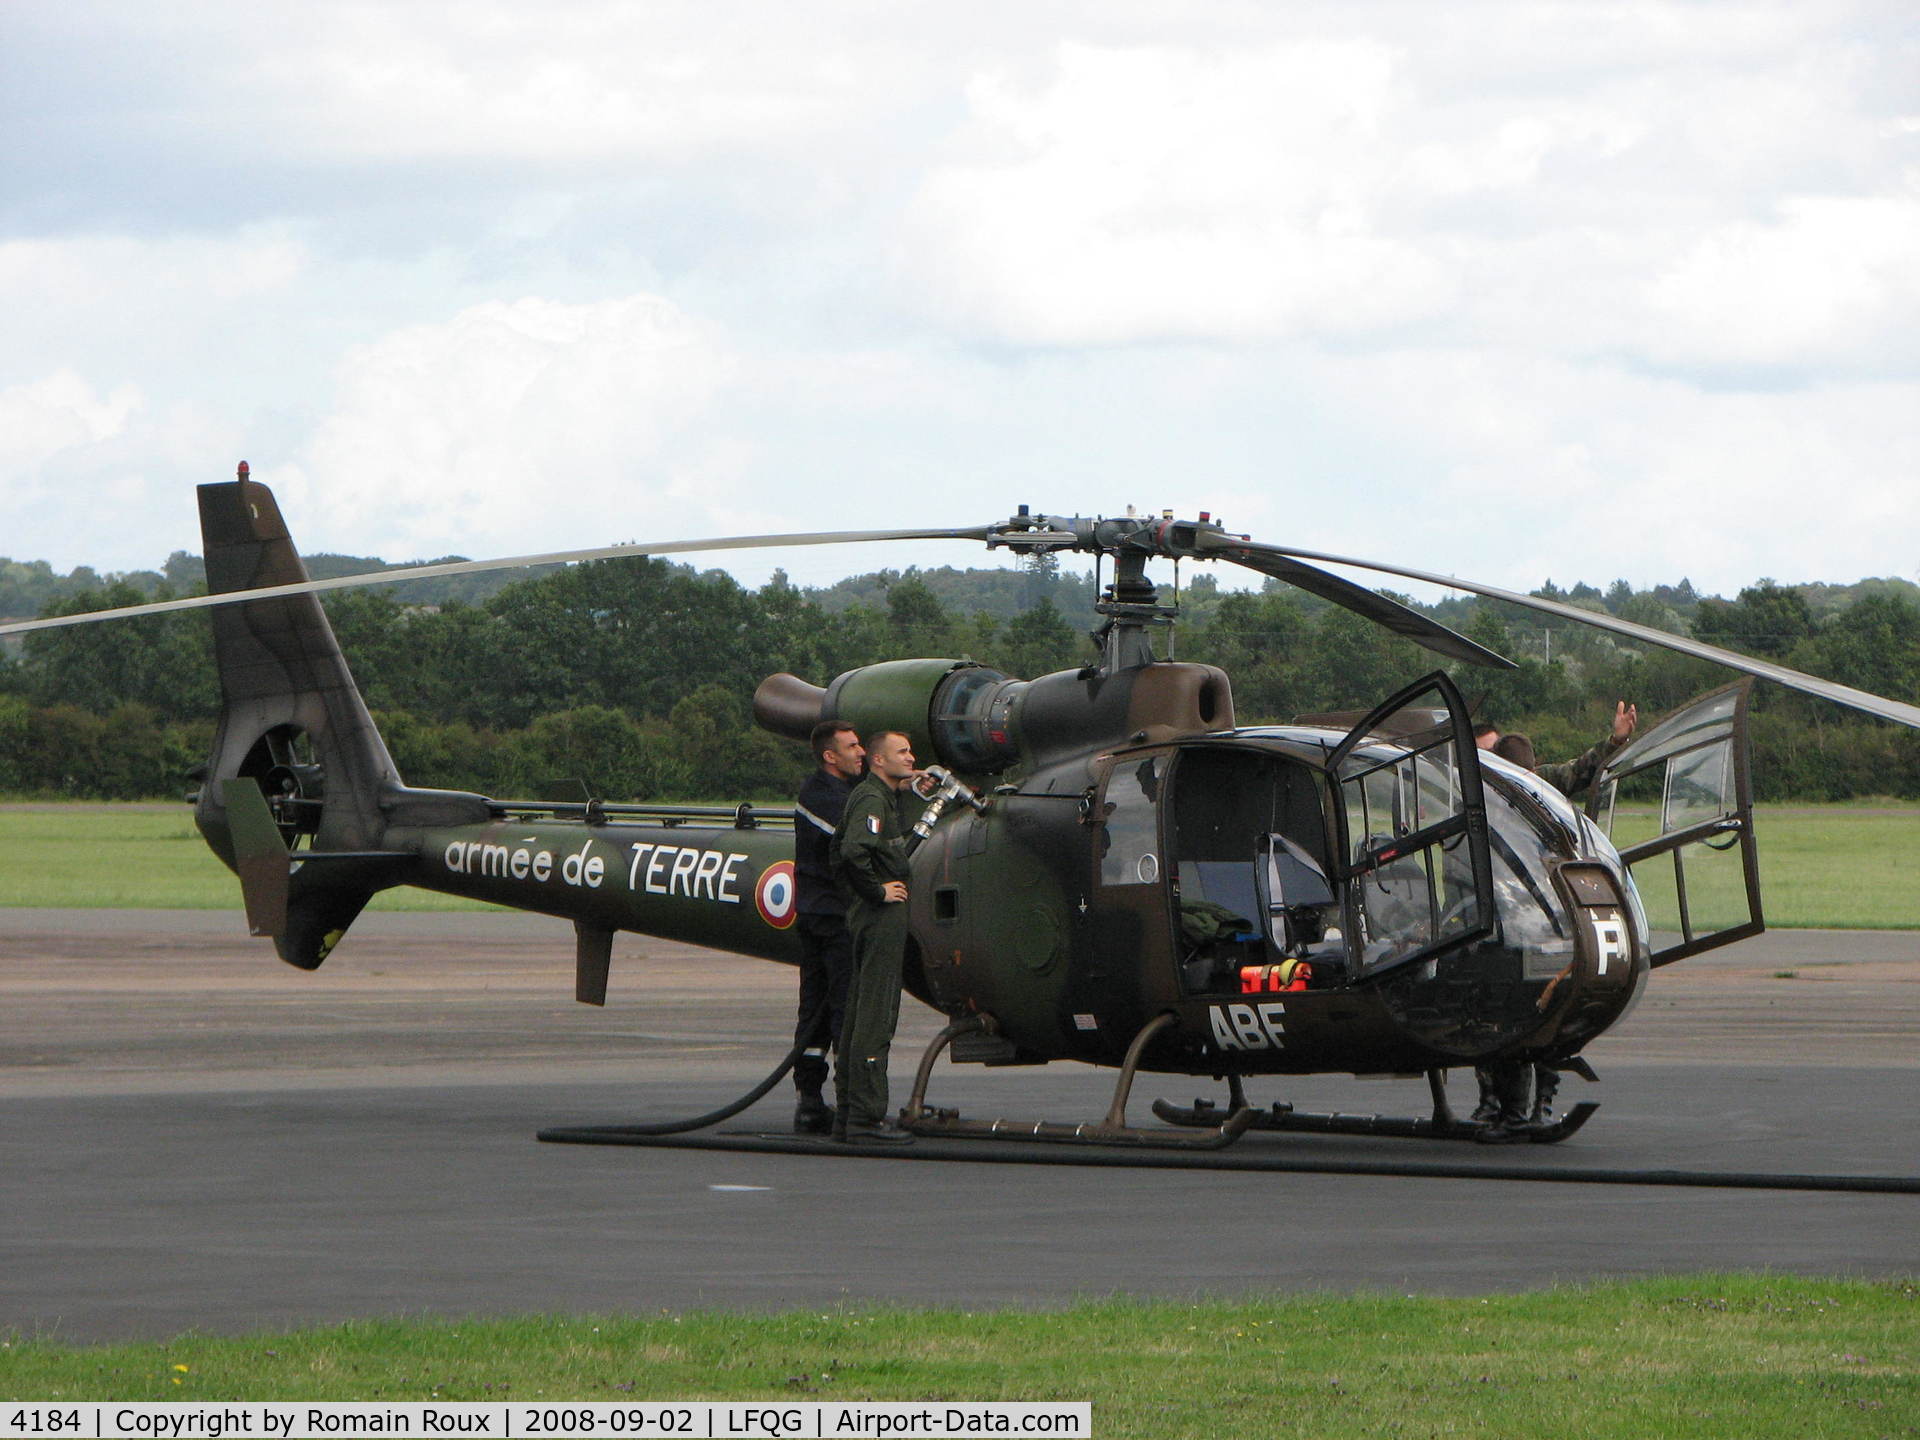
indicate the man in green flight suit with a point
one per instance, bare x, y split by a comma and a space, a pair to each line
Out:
1572, 778
869, 854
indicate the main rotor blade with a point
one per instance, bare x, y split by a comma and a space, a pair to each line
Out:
1863, 700
1357, 598
509, 562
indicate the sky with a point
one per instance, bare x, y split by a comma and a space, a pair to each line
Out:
1550, 290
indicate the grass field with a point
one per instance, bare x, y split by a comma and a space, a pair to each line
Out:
1838, 867
1674, 1357
124, 857
1823, 866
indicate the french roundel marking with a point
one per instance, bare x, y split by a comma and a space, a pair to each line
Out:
775, 897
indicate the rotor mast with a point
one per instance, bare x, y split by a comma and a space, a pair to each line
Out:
1130, 602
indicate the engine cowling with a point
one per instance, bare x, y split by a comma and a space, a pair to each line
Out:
978, 721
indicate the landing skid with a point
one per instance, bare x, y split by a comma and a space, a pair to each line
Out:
1442, 1125
1214, 1133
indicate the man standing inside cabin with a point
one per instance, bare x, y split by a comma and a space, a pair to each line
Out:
1572, 778
870, 862
826, 950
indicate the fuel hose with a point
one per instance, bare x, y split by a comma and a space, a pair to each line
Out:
603, 1134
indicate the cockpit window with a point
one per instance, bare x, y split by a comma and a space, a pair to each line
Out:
1132, 829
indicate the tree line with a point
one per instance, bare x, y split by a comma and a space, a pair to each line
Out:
636, 675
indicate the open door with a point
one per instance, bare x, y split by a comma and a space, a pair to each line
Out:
1678, 803
1413, 830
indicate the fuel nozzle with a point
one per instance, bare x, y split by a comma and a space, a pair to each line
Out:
947, 788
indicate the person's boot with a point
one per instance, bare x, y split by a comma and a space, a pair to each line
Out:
1488, 1110
877, 1132
1513, 1090
1546, 1084
813, 1115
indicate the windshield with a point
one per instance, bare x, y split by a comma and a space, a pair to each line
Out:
1530, 915
1489, 992
1549, 797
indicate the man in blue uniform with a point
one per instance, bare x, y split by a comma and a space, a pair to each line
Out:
826, 951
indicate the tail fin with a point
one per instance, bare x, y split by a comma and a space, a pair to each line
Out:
293, 724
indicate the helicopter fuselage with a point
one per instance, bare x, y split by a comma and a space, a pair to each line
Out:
1199, 877
1269, 900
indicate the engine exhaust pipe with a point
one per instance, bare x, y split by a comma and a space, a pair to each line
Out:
787, 705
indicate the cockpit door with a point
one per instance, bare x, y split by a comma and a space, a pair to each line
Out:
1412, 830
1678, 803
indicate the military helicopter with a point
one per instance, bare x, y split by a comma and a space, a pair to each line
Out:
1110, 870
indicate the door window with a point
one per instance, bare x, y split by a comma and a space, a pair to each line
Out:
1415, 856
1130, 854
1678, 803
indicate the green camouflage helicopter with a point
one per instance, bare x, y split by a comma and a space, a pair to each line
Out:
1112, 871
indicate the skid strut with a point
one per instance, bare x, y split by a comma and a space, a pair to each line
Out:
921, 1119
1443, 1125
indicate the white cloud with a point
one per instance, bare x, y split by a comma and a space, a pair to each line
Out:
95, 475
583, 82
249, 262
1294, 262
1513, 467
1151, 194
512, 427
43, 418
1346, 190
163, 307
1833, 281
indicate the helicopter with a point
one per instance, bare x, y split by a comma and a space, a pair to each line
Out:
1110, 870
